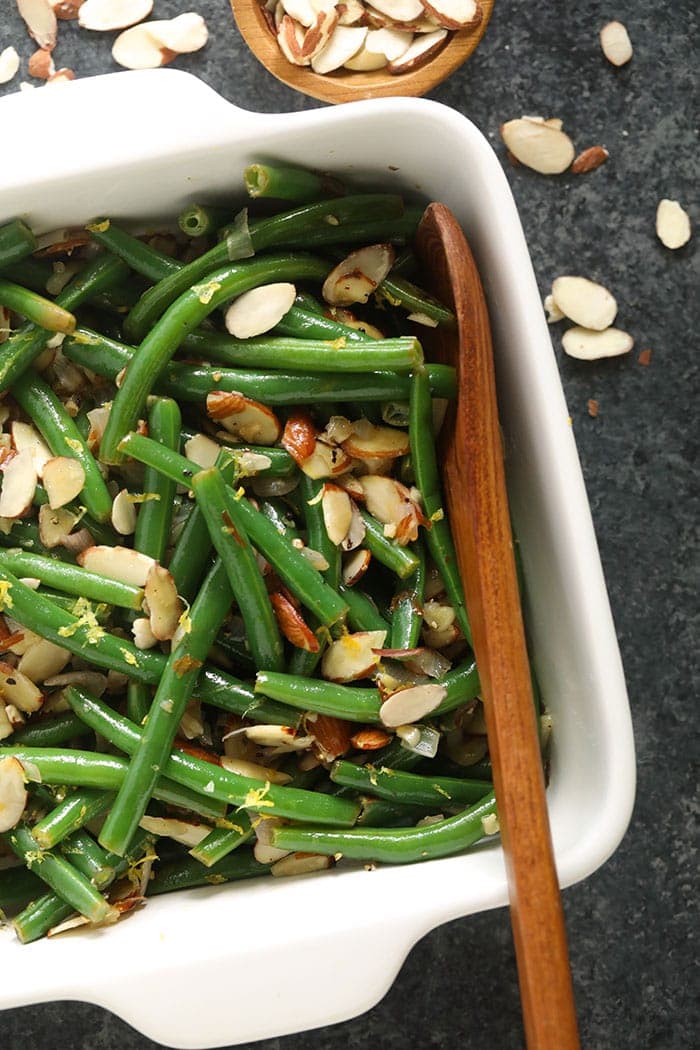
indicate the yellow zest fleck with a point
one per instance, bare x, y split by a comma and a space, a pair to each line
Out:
167, 706
383, 296
239, 493
206, 292
129, 657
184, 622
85, 338
332, 220
255, 798
6, 600
441, 791
338, 344
142, 497
85, 618
215, 880
73, 443
184, 664
438, 515
98, 227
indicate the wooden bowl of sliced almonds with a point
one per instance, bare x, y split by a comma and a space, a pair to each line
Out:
344, 50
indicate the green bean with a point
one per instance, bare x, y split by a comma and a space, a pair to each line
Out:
72, 813
166, 711
401, 292
411, 788
47, 732
138, 701
317, 534
230, 539
424, 458
379, 813
64, 879
187, 873
302, 322
62, 436
16, 242
192, 772
36, 308
17, 887
407, 606
155, 515
224, 692
363, 614
277, 231
183, 316
288, 183
199, 220
401, 560
71, 579
138, 256
394, 845
220, 842
280, 516
396, 756
87, 857
362, 232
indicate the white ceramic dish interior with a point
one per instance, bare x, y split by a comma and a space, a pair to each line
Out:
260, 959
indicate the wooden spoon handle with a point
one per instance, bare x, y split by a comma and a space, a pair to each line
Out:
477, 502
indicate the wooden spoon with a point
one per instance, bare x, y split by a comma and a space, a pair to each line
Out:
478, 508
344, 85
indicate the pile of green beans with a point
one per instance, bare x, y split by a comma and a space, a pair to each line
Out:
230, 714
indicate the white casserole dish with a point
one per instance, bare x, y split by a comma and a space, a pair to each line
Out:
232, 964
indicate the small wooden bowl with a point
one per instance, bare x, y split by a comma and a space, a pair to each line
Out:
345, 85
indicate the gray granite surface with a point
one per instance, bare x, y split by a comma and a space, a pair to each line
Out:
632, 925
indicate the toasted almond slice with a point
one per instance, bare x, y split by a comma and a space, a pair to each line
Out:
283, 738
144, 637
117, 563
55, 526
355, 278
139, 48
253, 770
24, 436
356, 532
616, 44
290, 38
201, 450
13, 793
259, 309
387, 500
191, 725
356, 566
351, 12
365, 61
292, 624
183, 831
40, 19
370, 739
588, 345
454, 14
342, 44
337, 512
369, 441
43, 660
554, 314
17, 689
338, 429
400, 10
391, 43
541, 147
347, 317
75, 542
41, 65
299, 437
64, 478
300, 864
98, 421
66, 10
410, 705
104, 15
263, 850
589, 159
7, 725
9, 64
18, 485
319, 33
302, 11
246, 419
164, 605
583, 301
326, 461
331, 735
422, 49
183, 34
123, 513
672, 224
352, 656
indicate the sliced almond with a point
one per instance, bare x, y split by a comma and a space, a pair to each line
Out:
40, 19
123, 513
182, 831
355, 278
356, 566
554, 314
183, 34
7, 726
352, 656
144, 637
337, 512
410, 705
66, 10
392, 43
351, 12
342, 44
246, 419
243, 768
589, 159
64, 478
347, 317
364, 61
9, 64
423, 48
290, 38
370, 441
299, 437
539, 146
13, 793
98, 418
326, 461
387, 500
282, 738
259, 309
588, 345
300, 864
18, 485
400, 10
263, 850
356, 532
672, 224
370, 739
138, 48
24, 436
302, 11
105, 15
331, 735
454, 14
164, 606
93, 681
292, 624
17, 689
40, 64
616, 44
201, 450
55, 526
43, 660
117, 563
585, 302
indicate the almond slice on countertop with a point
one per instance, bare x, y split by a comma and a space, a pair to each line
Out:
584, 302
17, 689
337, 512
41, 65
589, 345
66, 10
371, 441
43, 660
18, 485
24, 436
356, 566
259, 310
554, 314
246, 419
9, 64
409, 705
117, 563
182, 831
616, 44
672, 224
589, 159
40, 20
454, 14
342, 44
539, 146
64, 478
356, 532
292, 624
358, 275
352, 656
123, 515
400, 10
13, 793
164, 606
300, 864
201, 450
152, 44
422, 49
183, 34
105, 15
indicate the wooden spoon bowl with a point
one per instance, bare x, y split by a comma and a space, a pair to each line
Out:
345, 85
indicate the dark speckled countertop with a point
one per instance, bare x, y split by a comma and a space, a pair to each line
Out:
632, 925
